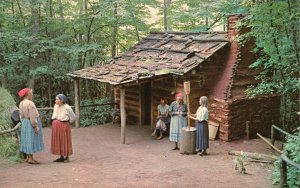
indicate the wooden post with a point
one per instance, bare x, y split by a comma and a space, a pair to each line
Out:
187, 89
283, 173
123, 114
77, 102
151, 106
272, 136
247, 130
140, 106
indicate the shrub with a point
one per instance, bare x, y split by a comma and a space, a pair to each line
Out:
292, 146
95, 115
9, 148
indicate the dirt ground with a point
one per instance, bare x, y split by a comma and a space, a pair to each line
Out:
99, 160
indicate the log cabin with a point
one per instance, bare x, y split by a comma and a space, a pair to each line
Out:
216, 65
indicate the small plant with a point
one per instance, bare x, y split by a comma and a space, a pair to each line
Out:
240, 163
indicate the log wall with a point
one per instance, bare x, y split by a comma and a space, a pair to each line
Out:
261, 113
132, 103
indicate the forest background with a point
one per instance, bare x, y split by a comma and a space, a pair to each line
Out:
42, 40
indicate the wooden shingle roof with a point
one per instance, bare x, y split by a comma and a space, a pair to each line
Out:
157, 55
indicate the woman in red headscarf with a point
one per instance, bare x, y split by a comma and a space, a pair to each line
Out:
178, 112
31, 129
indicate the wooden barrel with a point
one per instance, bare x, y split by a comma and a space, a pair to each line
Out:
188, 140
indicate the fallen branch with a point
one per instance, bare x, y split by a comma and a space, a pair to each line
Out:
255, 156
260, 161
268, 142
10, 130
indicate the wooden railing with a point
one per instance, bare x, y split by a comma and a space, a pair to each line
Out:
284, 159
81, 106
46, 109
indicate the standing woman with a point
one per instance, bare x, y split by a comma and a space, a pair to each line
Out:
61, 139
31, 129
201, 118
178, 111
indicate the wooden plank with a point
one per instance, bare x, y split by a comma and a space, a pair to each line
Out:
151, 106
131, 103
132, 108
283, 174
269, 143
77, 102
123, 115
140, 106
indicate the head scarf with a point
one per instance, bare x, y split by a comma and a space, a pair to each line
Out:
179, 95
62, 97
23, 92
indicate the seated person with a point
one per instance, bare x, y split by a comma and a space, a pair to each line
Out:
163, 119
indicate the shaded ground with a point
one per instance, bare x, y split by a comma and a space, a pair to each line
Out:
100, 160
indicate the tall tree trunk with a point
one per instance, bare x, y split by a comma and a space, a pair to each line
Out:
115, 31
61, 9
34, 31
295, 36
165, 16
49, 92
21, 13
13, 7
167, 4
206, 23
51, 8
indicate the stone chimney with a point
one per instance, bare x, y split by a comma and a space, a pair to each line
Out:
222, 90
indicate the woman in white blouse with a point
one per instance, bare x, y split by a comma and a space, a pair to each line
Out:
202, 133
61, 139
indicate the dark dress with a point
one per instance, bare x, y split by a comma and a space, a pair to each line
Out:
202, 138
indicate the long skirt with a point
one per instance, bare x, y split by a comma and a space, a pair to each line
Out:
177, 123
202, 133
30, 141
61, 139
162, 123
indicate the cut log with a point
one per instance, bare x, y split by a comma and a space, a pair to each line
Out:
256, 156
188, 140
260, 161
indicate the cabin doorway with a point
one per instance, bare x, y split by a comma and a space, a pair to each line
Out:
146, 103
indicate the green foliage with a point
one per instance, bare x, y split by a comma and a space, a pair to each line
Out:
292, 146
73, 37
276, 173
6, 103
9, 147
275, 28
195, 15
95, 115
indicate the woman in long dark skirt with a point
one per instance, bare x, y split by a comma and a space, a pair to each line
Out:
201, 117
